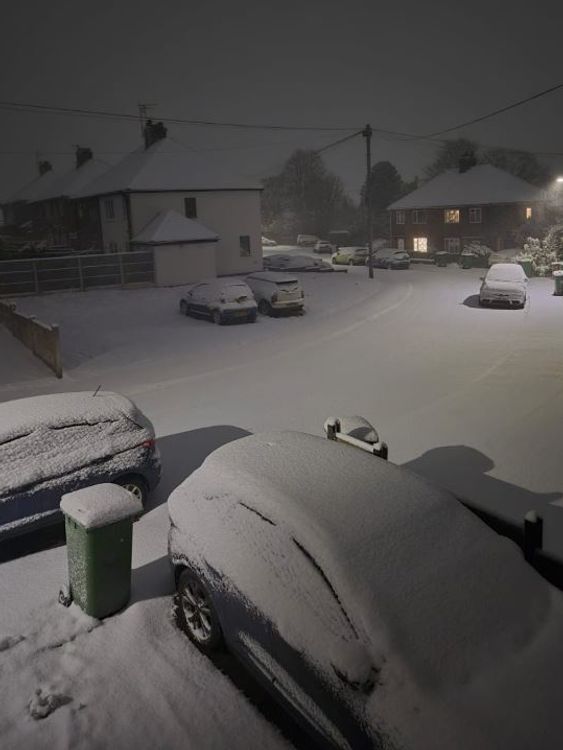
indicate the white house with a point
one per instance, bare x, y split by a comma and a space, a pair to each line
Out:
164, 176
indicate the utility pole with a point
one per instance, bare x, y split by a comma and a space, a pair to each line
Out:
367, 133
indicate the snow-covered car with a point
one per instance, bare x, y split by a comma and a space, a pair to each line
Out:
276, 293
54, 444
307, 240
268, 243
220, 300
323, 246
373, 605
504, 284
390, 258
350, 256
283, 262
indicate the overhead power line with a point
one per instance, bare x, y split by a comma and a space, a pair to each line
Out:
496, 112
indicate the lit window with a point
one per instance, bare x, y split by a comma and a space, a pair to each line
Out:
529, 213
420, 244
109, 209
419, 217
400, 217
451, 216
244, 242
475, 216
452, 244
190, 208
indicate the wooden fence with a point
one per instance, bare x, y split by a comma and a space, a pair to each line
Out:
41, 339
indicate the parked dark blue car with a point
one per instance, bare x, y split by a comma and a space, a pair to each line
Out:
53, 444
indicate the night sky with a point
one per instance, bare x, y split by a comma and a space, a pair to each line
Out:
408, 66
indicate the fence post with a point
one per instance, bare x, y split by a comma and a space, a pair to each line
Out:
80, 273
35, 278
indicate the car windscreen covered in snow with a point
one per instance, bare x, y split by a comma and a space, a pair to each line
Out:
506, 272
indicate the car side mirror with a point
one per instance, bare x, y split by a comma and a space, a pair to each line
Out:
354, 666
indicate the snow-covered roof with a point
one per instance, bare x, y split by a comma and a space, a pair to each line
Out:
30, 191
66, 185
167, 165
480, 185
169, 227
100, 505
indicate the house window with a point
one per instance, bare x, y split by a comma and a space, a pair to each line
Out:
420, 244
418, 217
529, 213
244, 242
451, 216
190, 208
399, 217
475, 215
452, 244
109, 209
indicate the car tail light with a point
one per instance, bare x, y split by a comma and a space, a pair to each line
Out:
150, 444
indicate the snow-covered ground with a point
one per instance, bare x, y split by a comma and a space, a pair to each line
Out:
468, 396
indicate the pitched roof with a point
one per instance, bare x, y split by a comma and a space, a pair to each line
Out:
33, 188
480, 185
167, 165
169, 227
66, 185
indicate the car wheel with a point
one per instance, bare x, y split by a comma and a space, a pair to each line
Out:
184, 310
264, 308
217, 317
195, 614
137, 486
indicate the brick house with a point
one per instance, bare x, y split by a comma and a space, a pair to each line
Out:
472, 203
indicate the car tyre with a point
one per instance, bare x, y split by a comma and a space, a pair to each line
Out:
137, 486
264, 307
195, 613
218, 318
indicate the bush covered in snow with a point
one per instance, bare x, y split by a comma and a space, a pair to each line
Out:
540, 253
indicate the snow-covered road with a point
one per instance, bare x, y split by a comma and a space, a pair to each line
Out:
468, 396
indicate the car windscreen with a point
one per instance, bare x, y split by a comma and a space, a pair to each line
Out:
235, 293
287, 284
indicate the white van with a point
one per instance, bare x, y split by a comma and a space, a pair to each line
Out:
275, 292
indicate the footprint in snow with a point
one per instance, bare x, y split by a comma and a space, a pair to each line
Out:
44, 703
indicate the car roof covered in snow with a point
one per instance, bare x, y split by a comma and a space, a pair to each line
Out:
56, 410
509, 271
405, 558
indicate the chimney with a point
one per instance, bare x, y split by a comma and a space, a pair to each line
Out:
466, 161
82, 155
44, 167
154, 132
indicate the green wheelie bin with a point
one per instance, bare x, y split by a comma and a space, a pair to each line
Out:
99, 534
558, 278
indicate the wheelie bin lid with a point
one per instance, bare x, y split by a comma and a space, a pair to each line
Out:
100, 505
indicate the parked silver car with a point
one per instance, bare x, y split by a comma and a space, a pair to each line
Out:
276, 293
504, 284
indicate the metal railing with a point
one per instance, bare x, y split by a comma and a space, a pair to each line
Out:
79, 272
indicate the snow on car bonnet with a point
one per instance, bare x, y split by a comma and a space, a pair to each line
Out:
395, 548
48, 436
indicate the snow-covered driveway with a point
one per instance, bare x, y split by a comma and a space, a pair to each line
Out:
472, 397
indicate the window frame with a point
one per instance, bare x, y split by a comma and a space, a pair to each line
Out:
192, 201
246, 246
456, 241
400, 216
418, 216
416, 241
475, 211
448, 215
